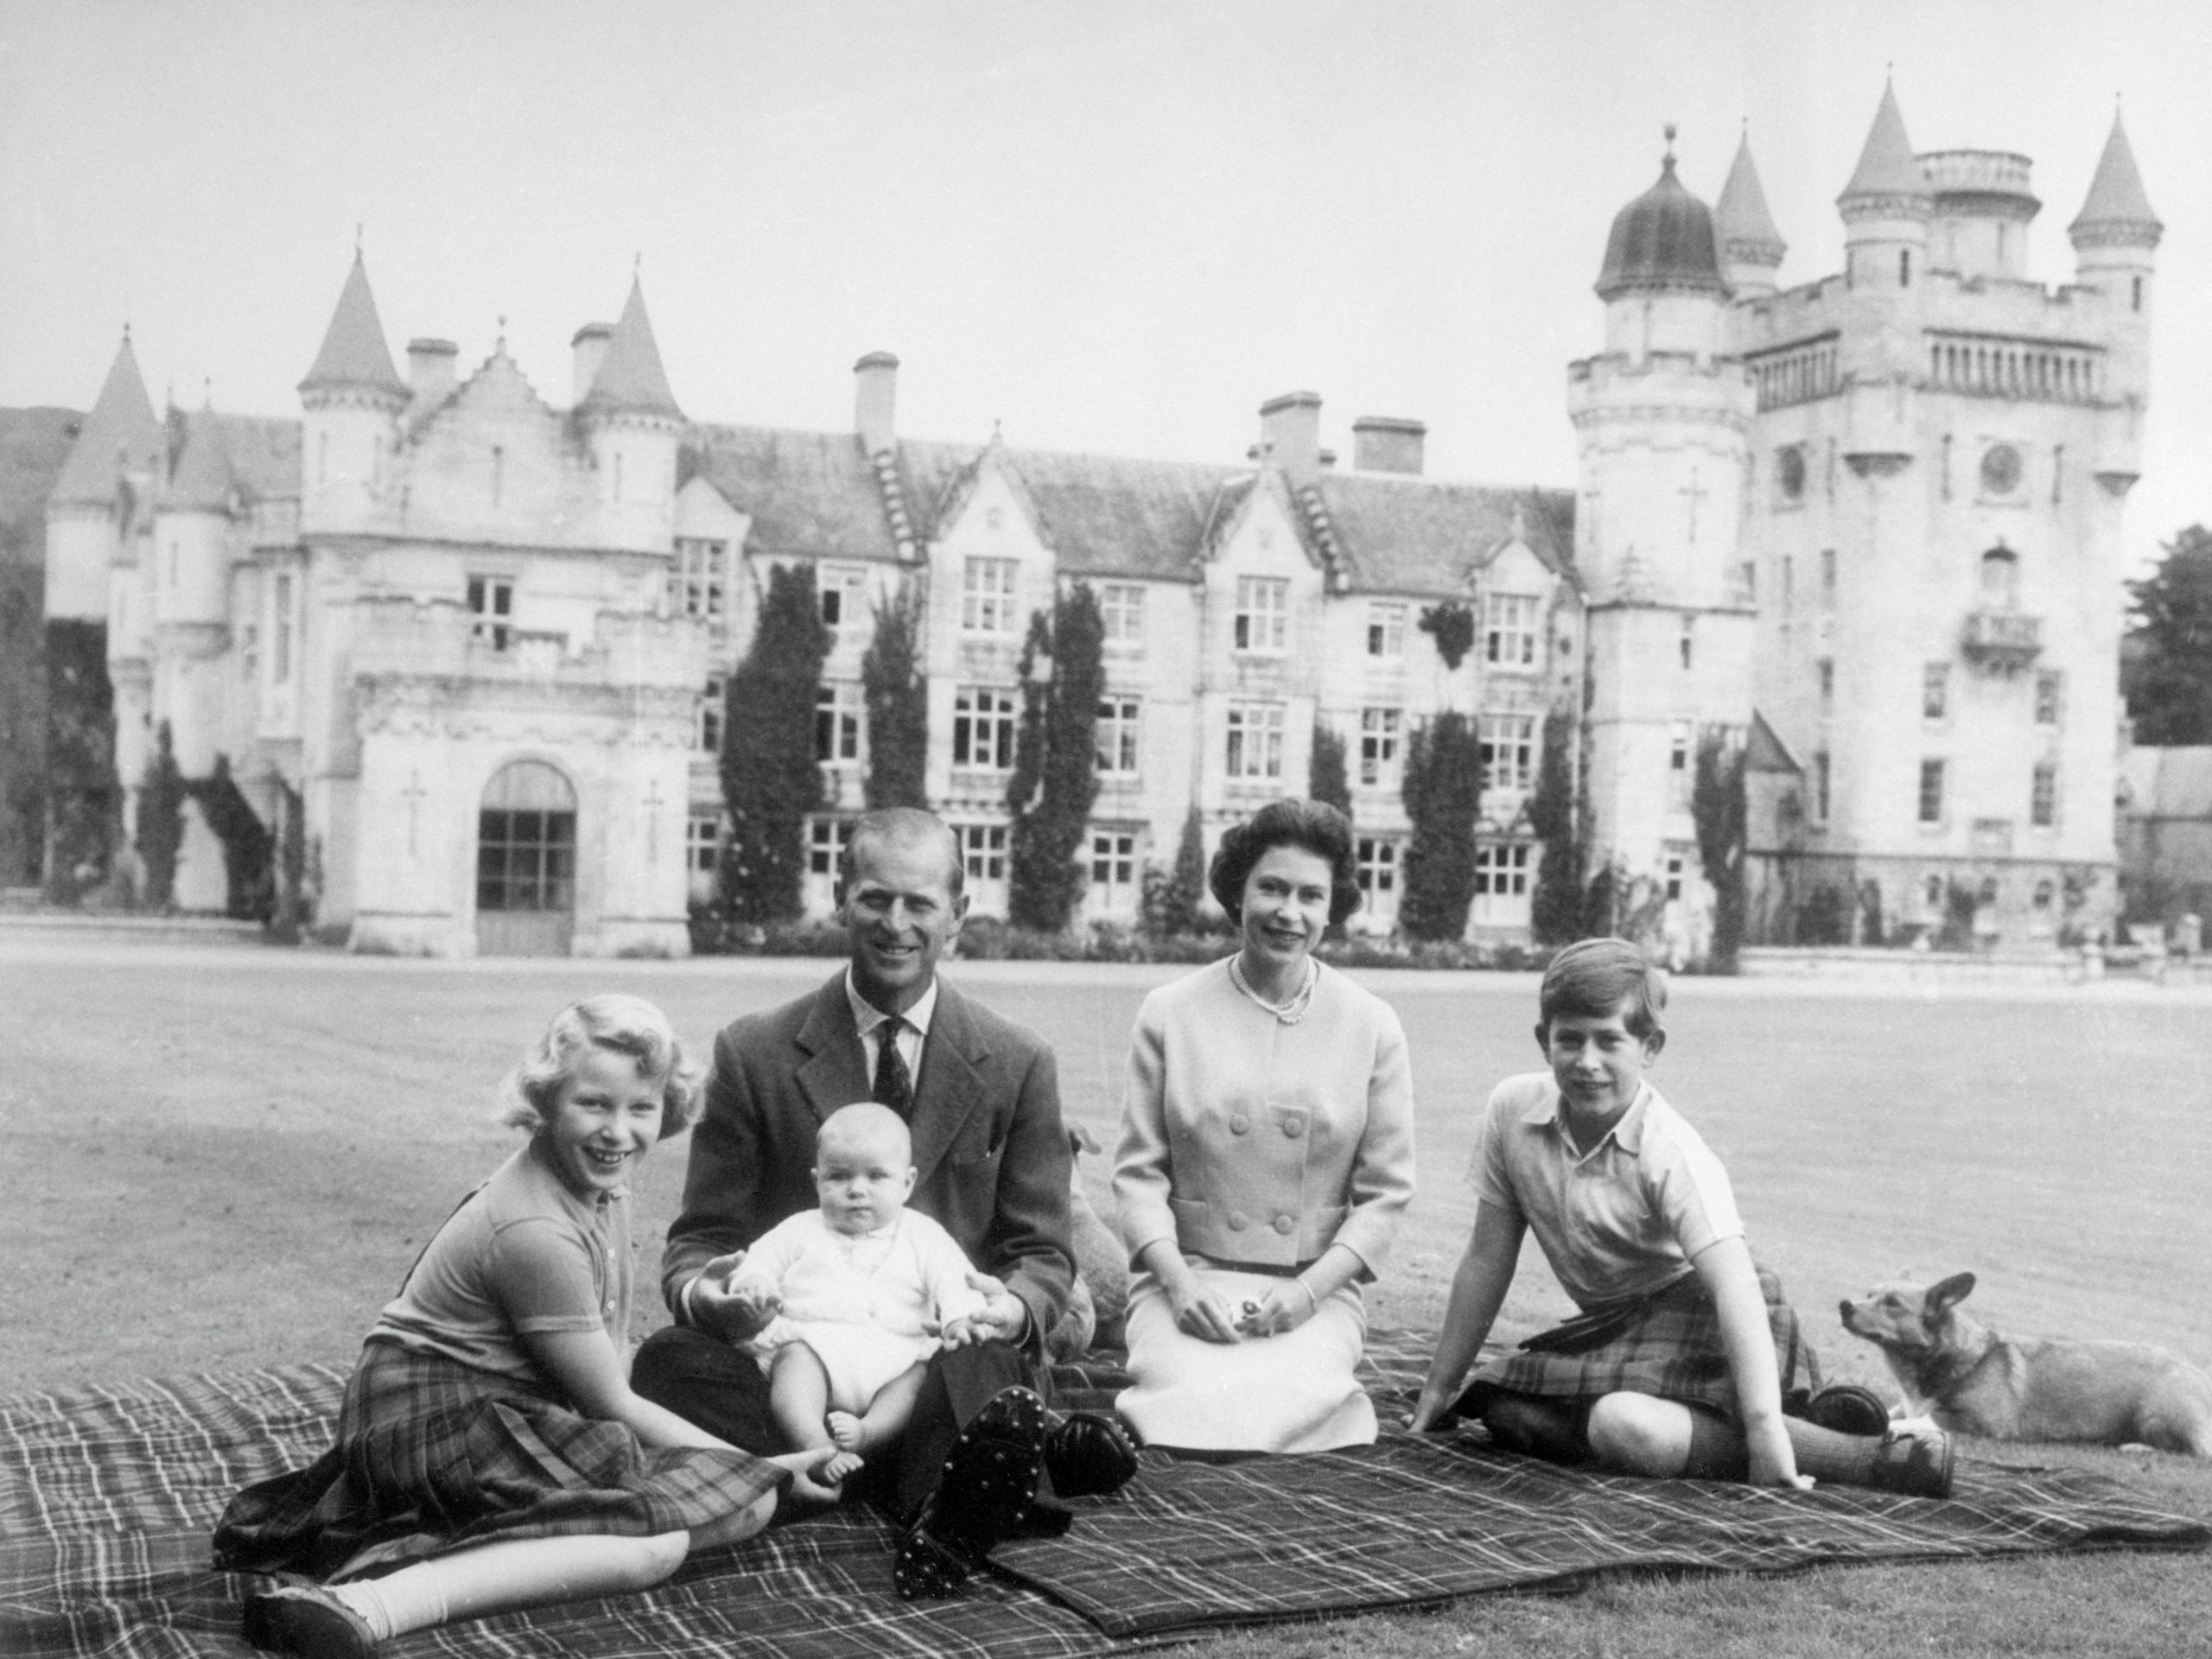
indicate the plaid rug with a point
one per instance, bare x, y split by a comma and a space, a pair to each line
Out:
107, 1495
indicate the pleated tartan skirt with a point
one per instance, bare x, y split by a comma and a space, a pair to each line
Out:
433, 1456
1671, 1349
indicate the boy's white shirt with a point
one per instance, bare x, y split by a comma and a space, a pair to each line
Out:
1618, 1220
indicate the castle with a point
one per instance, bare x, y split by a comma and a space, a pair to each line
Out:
476, 641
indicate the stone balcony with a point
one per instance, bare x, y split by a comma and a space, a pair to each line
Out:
2003, 640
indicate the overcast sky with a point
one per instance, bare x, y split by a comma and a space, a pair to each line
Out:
1110, 226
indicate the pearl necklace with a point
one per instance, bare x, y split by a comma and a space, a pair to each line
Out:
1288, 1013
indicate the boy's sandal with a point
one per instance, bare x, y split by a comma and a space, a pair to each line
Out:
1848, 1409
989, 1479
307, 1620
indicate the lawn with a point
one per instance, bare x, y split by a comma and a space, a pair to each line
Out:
233, 1156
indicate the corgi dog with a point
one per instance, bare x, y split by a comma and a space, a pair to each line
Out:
1971, 1381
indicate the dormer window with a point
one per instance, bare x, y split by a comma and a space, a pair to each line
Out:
986, 589
1262, 613
1510, 640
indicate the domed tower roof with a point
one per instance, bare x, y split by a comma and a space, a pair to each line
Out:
122, 433
2116, 201
1740, 220
354, 354
631, 380
1663, 239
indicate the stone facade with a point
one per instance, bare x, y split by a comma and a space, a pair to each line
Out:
1919, 467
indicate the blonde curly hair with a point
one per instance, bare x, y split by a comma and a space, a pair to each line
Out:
621, 1025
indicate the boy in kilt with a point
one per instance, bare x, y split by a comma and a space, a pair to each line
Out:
1685, 1360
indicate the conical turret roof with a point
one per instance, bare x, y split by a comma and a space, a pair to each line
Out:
1662, 239
2116, 195
200, 476
631, 380
1887, 166
1740, 218
354, 352
121, 431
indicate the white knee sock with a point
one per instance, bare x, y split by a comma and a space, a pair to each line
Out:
503, 1577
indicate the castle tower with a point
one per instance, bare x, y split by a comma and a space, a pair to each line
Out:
1660, 419
631, 421
117, 454
1750, 247
191, 588
1885, 207
2116, 238
352, 397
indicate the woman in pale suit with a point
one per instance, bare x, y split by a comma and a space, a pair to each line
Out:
1267, 1156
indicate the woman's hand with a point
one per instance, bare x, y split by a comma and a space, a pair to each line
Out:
1285, 1308
1202, 1313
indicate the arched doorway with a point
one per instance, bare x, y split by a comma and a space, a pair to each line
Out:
526, 862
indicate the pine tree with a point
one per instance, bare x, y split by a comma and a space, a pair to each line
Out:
1443, 792
1185, 890
1056, 762
770, 779
897, 704
249, 892
1718, 807
1555, 906
1326, 779
161, 821
2168, 658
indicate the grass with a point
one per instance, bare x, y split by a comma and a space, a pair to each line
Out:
233, 1156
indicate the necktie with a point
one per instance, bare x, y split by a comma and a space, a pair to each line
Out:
894, 1084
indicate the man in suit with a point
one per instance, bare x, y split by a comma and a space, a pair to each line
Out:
982, 1105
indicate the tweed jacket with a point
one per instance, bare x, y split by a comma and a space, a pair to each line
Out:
992, 1155
1251, 1141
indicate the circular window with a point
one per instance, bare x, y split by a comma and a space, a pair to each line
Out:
2000, 469
1790, 469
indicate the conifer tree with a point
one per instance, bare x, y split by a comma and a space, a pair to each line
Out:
1326, 779
2168, 661
1718, 807
1056, 762
1555, 906
770, 780
1184, 889
1443, 792
161, 821
897, 704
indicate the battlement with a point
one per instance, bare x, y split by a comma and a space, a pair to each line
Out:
1978, 173
400, 634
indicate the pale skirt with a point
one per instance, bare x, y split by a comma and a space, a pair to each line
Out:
859, 1359
1295, 1392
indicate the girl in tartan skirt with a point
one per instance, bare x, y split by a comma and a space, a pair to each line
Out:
490, 1455
1685, 1359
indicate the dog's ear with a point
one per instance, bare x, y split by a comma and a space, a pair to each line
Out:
1946, 1294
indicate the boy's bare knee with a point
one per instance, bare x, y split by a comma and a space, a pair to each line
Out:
649, 1561
1639, 1434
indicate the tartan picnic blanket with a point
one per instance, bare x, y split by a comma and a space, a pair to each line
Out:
107, 1497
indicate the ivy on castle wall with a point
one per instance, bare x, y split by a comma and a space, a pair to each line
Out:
248, 885
1452, 625
83, 795
1443, 792
897, 704
770, 779
23, 723
1056, 763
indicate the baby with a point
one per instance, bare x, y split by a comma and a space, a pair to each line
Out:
854, 1298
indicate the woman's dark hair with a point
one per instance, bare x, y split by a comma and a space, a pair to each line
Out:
1317, 827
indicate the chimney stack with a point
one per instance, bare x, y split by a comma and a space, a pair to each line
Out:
430, 367
1290, 434
875, 394
1385, 443
589, 345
